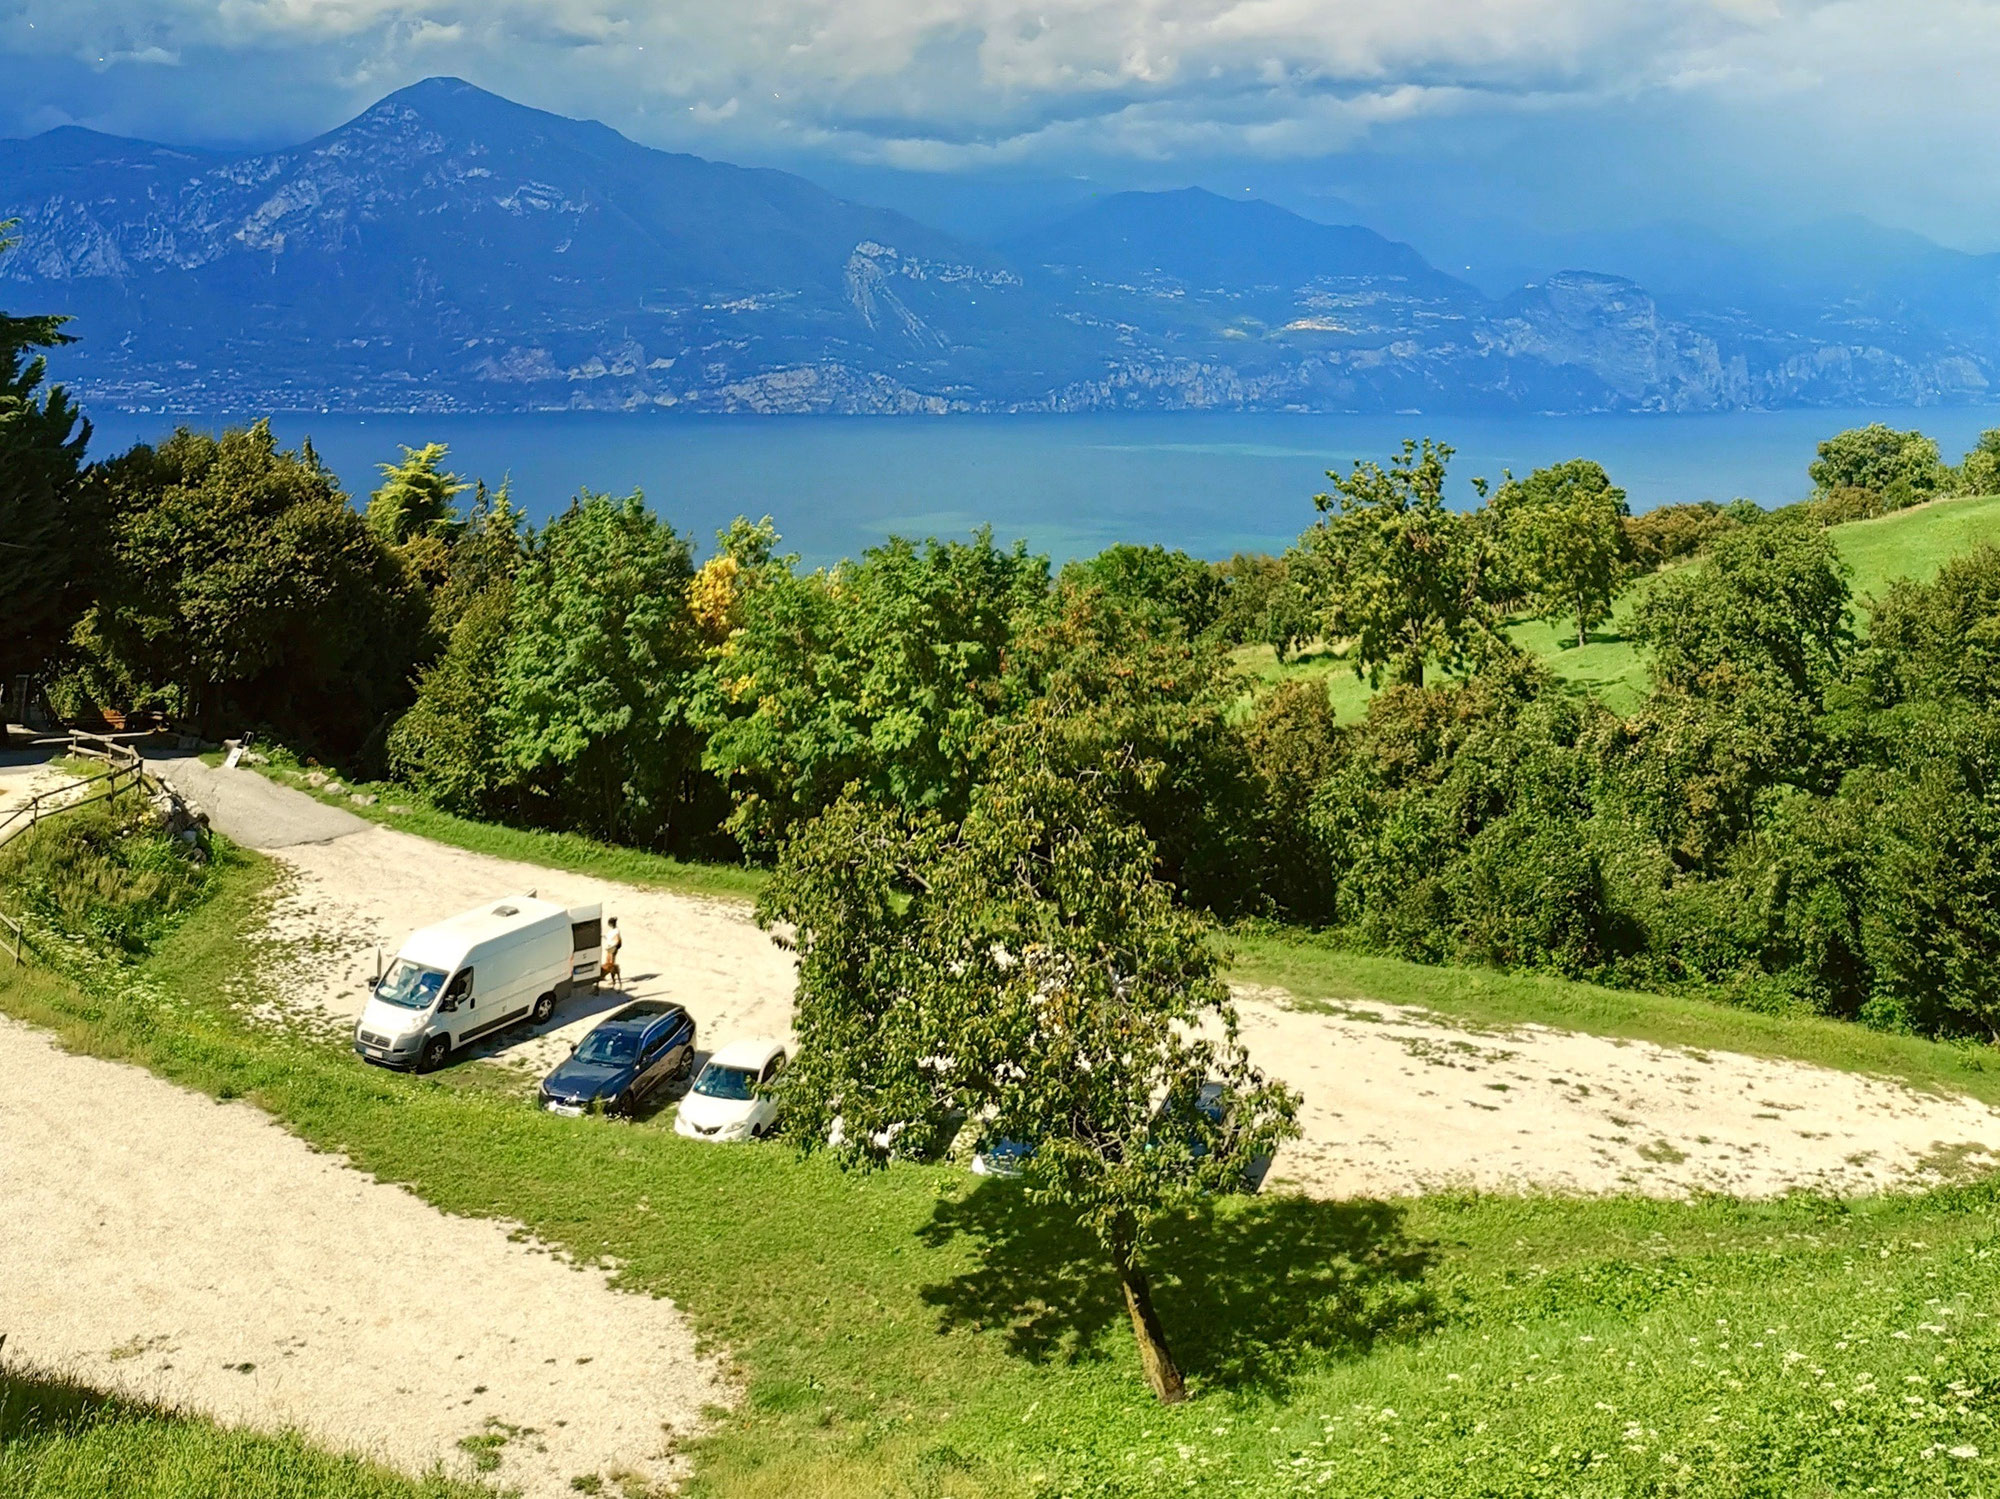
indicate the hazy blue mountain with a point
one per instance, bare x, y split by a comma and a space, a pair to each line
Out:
449, 250
1197, 240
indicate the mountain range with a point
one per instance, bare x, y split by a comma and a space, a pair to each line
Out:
449, 250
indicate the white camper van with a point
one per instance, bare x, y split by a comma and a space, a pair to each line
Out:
467, 977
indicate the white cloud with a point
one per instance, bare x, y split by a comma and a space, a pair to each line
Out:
944, 84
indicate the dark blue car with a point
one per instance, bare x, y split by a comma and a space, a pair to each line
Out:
622, 1060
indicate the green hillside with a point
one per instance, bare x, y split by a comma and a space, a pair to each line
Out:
1911, 543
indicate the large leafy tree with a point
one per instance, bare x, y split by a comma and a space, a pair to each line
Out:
1885, 468
417, 498
1393, 570
1980, 472
593, 707
886, 672
46, 538
1124, 693
415, 511
1185, 587
1027, 969
1563, 541
449, 744
244, 589
1746, 647
1770, 605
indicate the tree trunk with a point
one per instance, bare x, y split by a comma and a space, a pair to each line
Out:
1582, 630
1162, 1373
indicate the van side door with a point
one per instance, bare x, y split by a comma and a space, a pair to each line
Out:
458, 1009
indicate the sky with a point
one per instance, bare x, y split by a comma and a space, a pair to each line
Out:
1472, 127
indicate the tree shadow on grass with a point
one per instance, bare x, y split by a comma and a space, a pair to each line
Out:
35, 1405
1248, 1289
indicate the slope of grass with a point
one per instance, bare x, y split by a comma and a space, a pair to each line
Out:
1915, 543
920, 1333
1322, 977
1911, 543
62, 1440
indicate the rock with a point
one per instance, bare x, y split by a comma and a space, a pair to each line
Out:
363, 798
335, 788
316, 778
398, 809
253, 758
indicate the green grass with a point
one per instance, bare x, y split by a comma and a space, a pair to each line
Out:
1915, 543
1911, 543
1321, 976
918, 1333
62, 1440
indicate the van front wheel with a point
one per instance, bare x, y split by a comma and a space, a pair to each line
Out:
437, 1050
544, 1007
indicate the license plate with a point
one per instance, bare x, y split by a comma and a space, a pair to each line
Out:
573, 1110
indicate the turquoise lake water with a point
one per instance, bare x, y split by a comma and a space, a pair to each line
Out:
1212, 483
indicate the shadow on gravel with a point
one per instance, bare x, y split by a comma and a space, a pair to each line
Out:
1247, 1290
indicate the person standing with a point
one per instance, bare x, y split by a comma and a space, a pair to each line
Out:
613, 941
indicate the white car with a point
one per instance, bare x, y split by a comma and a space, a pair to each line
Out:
724, 1104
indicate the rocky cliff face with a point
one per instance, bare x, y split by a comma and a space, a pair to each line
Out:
448, 250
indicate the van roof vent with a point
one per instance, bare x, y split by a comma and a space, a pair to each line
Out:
506, 911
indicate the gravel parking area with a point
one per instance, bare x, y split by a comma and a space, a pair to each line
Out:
161, 1244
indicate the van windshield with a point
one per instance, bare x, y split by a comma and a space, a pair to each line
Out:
410, 986
735, 1083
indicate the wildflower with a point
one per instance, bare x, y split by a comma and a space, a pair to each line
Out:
1965, 1452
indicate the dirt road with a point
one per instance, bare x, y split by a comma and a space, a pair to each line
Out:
161, 1244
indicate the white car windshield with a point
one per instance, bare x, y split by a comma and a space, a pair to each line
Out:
734, 1083
410, 986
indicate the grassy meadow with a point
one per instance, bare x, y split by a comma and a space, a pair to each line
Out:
919, 1332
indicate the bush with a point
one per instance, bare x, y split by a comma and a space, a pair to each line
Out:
108, 873
1673, 533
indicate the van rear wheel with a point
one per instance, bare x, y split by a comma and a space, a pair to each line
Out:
544, 1007
436, 1052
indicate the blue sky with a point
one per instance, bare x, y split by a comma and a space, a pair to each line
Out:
1450, 122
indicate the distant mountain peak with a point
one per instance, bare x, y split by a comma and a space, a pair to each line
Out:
1200, 237
450, 249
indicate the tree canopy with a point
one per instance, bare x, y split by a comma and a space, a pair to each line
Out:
243, 589
1885, 468
593, 708
47, 524
1024, 968
1393, 570
1562, 539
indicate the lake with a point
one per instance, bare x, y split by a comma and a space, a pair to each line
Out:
1212, 483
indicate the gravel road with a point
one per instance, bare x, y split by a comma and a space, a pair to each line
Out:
250, 809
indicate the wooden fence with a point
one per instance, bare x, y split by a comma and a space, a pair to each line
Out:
126, 772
